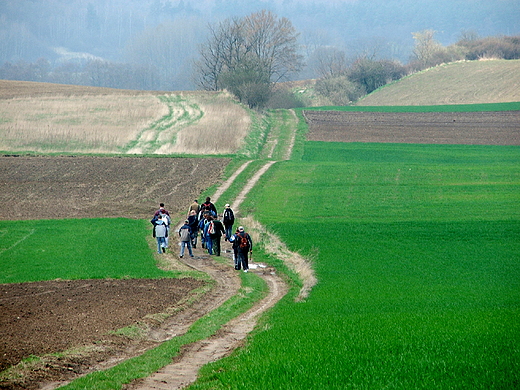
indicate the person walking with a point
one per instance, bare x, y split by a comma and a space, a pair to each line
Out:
194, 225
194, 207
228, 219
166, 219
160, 232
207, 239
244, 247
185, 235
216, 230
161, 210
208, 206
234, 242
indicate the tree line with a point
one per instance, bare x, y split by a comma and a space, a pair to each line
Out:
249, 55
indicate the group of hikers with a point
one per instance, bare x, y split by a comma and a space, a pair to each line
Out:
205, 219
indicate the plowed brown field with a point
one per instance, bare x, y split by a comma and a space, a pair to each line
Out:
472, 128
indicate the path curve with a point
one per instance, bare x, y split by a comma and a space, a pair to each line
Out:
183, 371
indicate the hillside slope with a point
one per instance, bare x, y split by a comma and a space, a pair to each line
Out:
470, 82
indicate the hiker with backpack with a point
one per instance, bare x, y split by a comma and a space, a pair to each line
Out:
185, 235
244, 246
215, 230
234, 242
228, 220
160, 232
166, 219
208, 206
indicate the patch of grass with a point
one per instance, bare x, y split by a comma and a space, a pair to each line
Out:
238, 184
419, 271
513, 106
454, 83
76, 249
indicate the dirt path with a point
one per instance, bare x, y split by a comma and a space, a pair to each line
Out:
184, 370
250, 184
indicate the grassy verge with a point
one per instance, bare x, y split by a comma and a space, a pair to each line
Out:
417, 255
238, 184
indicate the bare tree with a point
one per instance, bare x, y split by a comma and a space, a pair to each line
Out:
330, 62
247, 55
426, 47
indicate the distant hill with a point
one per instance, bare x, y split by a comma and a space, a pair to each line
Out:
470, 82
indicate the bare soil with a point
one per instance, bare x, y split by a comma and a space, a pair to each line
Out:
471, 128
36, 187
50, 317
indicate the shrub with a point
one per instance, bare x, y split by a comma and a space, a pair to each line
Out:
372, 74
507, 48
340, 90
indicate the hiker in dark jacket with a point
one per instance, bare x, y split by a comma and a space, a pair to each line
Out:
228, 219
194, 225
216, 230
244, 246
208, 206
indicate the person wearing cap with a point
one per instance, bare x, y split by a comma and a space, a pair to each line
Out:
185, 235
228, 220
244, 246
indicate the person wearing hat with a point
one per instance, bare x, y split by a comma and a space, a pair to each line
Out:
185, 235
244, 246
228, 220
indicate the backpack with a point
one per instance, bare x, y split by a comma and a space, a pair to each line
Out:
185, 234
211, 229
166, 219
244, 242
229, 216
